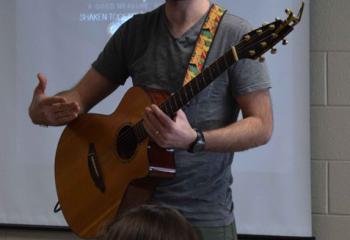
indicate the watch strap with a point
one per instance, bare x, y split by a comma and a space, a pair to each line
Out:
199, 143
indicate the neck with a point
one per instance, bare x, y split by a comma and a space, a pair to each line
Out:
182, 14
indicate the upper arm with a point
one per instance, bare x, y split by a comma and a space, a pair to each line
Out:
92, 88
108, 71
258, 105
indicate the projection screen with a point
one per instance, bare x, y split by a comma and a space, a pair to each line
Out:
62, 38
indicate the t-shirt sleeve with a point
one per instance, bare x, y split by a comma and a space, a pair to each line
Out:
248, 75
112, 62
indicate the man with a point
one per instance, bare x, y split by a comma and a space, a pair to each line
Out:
154, 49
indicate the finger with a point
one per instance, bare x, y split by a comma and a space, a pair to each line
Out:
40, 89
65, 107
52, 113
152, 132
53, 100
54, 117
153, 129
63, 115
180, 114
150, 123
65, 120
154, 121
149, 129
166, 121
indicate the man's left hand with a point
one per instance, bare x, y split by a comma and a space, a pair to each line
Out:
167, 132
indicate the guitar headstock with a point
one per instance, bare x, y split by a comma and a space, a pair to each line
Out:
257, 42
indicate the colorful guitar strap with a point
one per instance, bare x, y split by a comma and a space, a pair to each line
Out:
204, 42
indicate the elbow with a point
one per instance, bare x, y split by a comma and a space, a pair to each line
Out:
262, 138
266, 135
265, 138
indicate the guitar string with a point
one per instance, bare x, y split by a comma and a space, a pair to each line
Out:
128, 133
125, 136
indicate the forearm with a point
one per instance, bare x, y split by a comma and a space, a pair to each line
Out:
89, 91
72, 95
242, 135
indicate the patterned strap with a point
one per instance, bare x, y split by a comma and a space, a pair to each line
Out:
204, 42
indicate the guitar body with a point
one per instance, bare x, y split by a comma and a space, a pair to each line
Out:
92, 173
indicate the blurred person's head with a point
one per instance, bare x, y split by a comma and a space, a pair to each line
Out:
150, 222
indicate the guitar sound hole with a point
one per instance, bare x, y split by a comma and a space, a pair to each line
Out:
126, 143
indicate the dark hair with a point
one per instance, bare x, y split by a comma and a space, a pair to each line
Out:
150, 222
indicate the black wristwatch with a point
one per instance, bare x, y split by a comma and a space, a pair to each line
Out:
199, 144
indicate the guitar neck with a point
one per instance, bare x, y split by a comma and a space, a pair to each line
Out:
184, 95
200, 82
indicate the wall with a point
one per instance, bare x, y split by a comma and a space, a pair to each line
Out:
330, 114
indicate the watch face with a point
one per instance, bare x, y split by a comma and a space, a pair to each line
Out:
199, 146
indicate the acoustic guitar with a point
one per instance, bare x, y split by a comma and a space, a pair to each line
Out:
106, 163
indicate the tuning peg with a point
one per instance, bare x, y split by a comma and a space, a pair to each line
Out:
274, 35
264, 24
262, 59
252, 53
284, 41
273, 50
259, 31
263, 44
288, 11
272, 27
277, 19
247, 37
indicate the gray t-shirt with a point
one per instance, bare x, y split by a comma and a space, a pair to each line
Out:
144, 49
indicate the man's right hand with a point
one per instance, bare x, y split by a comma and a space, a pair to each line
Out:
51, 110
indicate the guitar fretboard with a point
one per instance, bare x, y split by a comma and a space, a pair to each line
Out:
180, 98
